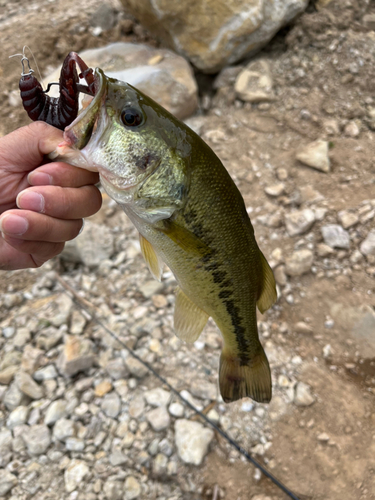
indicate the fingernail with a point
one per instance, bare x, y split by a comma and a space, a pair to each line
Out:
39, 179
30, 200
13, 225
83, 225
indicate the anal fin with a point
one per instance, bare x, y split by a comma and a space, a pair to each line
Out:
153, 261
249, 380
189, 319
268, 294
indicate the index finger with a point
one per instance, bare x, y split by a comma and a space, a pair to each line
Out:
61, 174
25, 148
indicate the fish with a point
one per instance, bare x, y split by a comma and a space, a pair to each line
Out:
190, 216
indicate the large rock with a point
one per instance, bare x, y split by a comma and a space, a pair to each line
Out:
76, 356
162, 75
315, 155
299, 262
37, 439
192, 440
215, 33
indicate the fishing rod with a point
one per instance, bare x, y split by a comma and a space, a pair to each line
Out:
86, 306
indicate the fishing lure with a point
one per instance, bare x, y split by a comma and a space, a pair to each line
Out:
57, 111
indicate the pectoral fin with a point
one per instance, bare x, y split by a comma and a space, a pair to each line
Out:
184, 238
153, 261
189, 319
268, 294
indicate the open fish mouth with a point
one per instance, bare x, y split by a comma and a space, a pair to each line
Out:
79, 132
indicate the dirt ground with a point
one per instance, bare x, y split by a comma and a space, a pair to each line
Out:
323, 69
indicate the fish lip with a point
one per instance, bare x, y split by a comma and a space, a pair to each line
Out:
79, 132
109, 177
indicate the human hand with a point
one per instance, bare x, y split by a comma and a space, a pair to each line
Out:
41, 205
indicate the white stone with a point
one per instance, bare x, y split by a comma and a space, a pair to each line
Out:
299, 222
28, 386
302, 395
158, 418
132, 488
7, 482
18, 417
111, 405
74, 474
299, 262
254, 83
176, 410
368, 244
157, 397
204, 390
315, 155
335, 236
63, 429
192, 440
37, 439
55, 411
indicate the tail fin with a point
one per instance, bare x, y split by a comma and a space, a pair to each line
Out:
252, 380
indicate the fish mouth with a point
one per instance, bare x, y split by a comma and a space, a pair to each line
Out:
115, 181
79, 132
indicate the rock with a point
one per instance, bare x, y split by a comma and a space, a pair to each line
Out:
28, 386
37, 439
6, 375
352, 129
192, 440
368, 245
94, 244
135, 367
280, 275
299, 262
303, 328
368, 20
275, 189
74, 444
347, 219
324, 250
159, 465
22, 337
56, 309
161, 74
132, 488
31, 359
18, 417
204, 390
176, 410
113, 490
103, 388
74, 474
111, 405
77, 356
215, 33
12, 358
77, 323
335, 236
359, 323
49, 338
227, 77
47, 373
254, 83
63, 429
158, 418
299, 222
14, 397
302, 395
137, 406
55, 411
7, 482
157, 397
104, 17
116, 368
315, 155
150, 288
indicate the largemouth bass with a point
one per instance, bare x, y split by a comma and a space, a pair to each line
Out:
190, 215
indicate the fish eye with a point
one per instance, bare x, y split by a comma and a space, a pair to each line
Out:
131, 117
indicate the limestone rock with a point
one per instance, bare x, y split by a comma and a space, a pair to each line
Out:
299, 262
94, 244
132, 488
192, 440
37, 439
335, 236
254, 83
215, 33
135, 367
18, 417
111, 405
161, 74
315, 155
368, 245
76, 356
158, 418
63, 429
74, 474
299, 222
55, 411
7, 482
116, 368
158, 397
302, 395
204, 390
28, 386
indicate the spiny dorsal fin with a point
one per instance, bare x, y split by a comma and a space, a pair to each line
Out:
189, 319
268, 294
153, 261
251, 380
